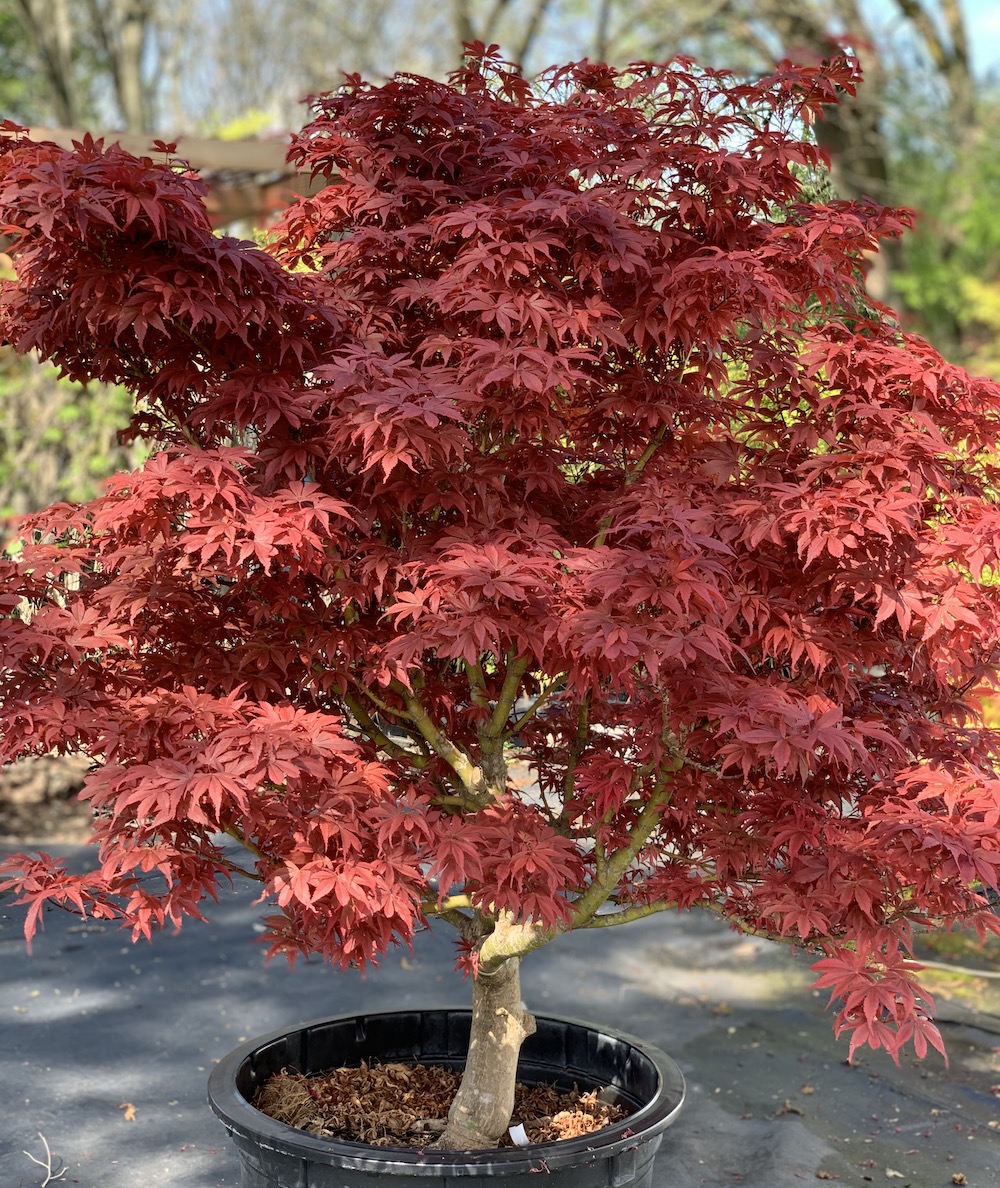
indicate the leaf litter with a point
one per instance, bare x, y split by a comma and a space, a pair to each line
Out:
406, 1105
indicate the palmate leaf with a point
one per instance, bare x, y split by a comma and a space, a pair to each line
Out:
558, 426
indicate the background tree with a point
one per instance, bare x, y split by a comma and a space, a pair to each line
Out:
146, 65
518, 24
57, 439
98, 57
310, 44
914, 135
951, 276
50, 34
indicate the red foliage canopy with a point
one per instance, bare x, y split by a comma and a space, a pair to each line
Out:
559, 423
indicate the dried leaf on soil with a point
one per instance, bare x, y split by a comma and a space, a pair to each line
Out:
401, 1105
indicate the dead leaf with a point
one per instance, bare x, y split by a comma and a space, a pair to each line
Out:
129, 1111
959, 1178
787, 1108
400, 1105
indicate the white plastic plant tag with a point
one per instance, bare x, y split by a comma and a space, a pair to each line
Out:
518, 1135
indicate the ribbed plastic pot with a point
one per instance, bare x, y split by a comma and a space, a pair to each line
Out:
562, 1051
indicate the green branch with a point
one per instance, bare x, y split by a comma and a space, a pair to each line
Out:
477, 684
615, 865
498, 723
235, 868
442, 746
457, 910
655, 442
637, 911
247, 844
370, 727
575, 751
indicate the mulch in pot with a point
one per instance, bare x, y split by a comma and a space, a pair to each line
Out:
405, 1105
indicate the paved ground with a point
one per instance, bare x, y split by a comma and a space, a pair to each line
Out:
107, 1045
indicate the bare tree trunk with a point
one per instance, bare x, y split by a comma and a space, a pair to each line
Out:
464, 29
49, 27
602, 31
135, 16
489, 29
121, 28
531, 30
948, 50
480, 1113
170, 37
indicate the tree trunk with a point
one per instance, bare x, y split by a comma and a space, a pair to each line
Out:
50, 29
480, 1113
131, 44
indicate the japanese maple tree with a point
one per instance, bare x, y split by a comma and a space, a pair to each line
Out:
558, 427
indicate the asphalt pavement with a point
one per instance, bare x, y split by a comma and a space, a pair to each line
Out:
107, 1046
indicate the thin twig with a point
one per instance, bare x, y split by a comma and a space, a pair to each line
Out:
51, 1176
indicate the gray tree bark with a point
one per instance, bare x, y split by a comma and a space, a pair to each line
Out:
49, 29
480, 1113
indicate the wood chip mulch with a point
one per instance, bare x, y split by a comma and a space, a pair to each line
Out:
405, 1105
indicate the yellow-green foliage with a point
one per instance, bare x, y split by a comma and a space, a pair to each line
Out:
248, 125
981, 308
58, 440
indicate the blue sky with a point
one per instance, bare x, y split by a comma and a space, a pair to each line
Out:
983, 19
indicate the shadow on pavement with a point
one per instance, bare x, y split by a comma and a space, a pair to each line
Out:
97, 1031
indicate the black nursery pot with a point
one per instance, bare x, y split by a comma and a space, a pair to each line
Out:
562, 1051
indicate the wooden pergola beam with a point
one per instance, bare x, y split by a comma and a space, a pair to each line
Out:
271, 182
204, 154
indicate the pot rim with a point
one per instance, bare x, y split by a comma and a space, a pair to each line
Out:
240, 1117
